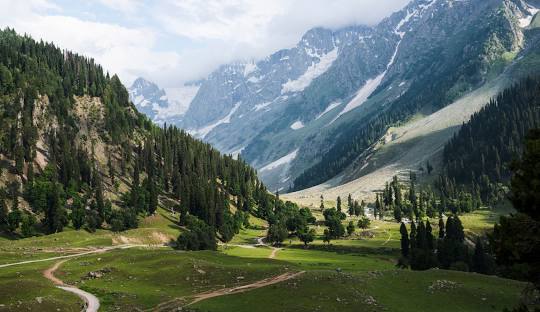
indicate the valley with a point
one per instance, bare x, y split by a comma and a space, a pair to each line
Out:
382, 166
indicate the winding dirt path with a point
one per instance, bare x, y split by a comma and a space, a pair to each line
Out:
91, 301
389, 237
272, 255
100, 250
240, 289
189, 300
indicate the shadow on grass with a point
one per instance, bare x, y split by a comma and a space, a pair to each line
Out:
387, 251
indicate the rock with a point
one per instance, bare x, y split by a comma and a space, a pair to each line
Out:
442, 285
95, 274
39, 300
99, 273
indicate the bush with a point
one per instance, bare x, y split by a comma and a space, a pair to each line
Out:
364, 223
199, 236
459, 266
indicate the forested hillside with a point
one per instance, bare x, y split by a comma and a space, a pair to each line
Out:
74, 149
479, 155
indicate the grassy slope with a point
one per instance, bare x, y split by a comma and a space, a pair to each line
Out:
393, 290
22, 287
142, 277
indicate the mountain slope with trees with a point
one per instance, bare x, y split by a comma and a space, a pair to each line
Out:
74, 149
478, 156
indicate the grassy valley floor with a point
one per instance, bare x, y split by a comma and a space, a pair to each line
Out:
351, 274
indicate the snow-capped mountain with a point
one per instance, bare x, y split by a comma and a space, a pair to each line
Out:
304, 114
159, 105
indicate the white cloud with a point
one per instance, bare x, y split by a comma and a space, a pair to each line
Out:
177, 40
125, 6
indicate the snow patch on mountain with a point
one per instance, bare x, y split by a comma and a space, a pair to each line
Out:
249, 68
297, 125
362, 95
371, 85
178, 100
203, 132
258, 107
280, 162
161, 105
313, 71
526, 20
237, 152
328, 109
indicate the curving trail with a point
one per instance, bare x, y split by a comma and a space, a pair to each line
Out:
91, 301
240, 289
273, 253
183, 301
389, 237
100, 250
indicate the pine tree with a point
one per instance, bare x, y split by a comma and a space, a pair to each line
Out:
412, 236
441, 228
77, 213
3, 214
338, 204
55, 216
27, 225
404, 240
350, 205
429, 236
350, 228
377, 209
480, 261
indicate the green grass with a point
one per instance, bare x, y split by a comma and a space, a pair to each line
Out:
142, 278
22, 288
394, 290
482, 221
312, 259
259, 252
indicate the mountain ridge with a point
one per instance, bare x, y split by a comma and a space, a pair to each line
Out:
312, 96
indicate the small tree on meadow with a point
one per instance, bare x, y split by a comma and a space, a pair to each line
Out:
306, 236
364, 223
327, 236
350, 228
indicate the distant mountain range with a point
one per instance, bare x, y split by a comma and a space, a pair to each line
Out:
157, 104
310, 114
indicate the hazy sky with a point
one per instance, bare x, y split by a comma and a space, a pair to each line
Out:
177, 40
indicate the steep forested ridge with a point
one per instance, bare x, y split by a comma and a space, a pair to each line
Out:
70, 138
479, 154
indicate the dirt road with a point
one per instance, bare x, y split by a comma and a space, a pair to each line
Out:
240, 289
91, 301
100, 250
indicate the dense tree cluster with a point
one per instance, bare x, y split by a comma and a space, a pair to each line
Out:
477, 156
421, 250
516, 238
286, 220
332, 219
